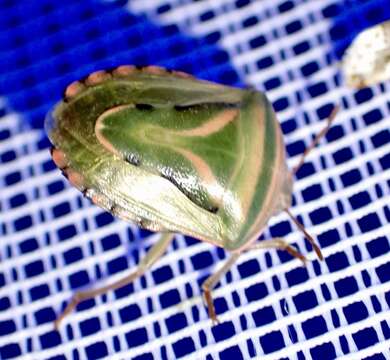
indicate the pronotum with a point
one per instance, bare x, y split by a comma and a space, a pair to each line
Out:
175, 155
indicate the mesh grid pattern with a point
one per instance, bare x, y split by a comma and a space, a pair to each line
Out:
53, 241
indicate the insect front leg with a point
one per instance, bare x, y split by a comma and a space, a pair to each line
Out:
280, 244
146, 263
313, 144
213, 280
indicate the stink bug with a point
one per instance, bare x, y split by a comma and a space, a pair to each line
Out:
175, 154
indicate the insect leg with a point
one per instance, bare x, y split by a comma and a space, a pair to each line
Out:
213, 280
280, 244
307, 235
299, 165
316, 139
151, 257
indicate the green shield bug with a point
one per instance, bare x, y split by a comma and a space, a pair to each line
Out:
175, 154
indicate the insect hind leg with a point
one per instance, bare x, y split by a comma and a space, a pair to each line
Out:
151, 257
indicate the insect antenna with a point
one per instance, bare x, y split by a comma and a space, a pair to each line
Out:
307, 235
316, 139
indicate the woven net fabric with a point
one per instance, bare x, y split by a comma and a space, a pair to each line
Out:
53, 241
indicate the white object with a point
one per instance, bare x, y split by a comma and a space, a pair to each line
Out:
367, 60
